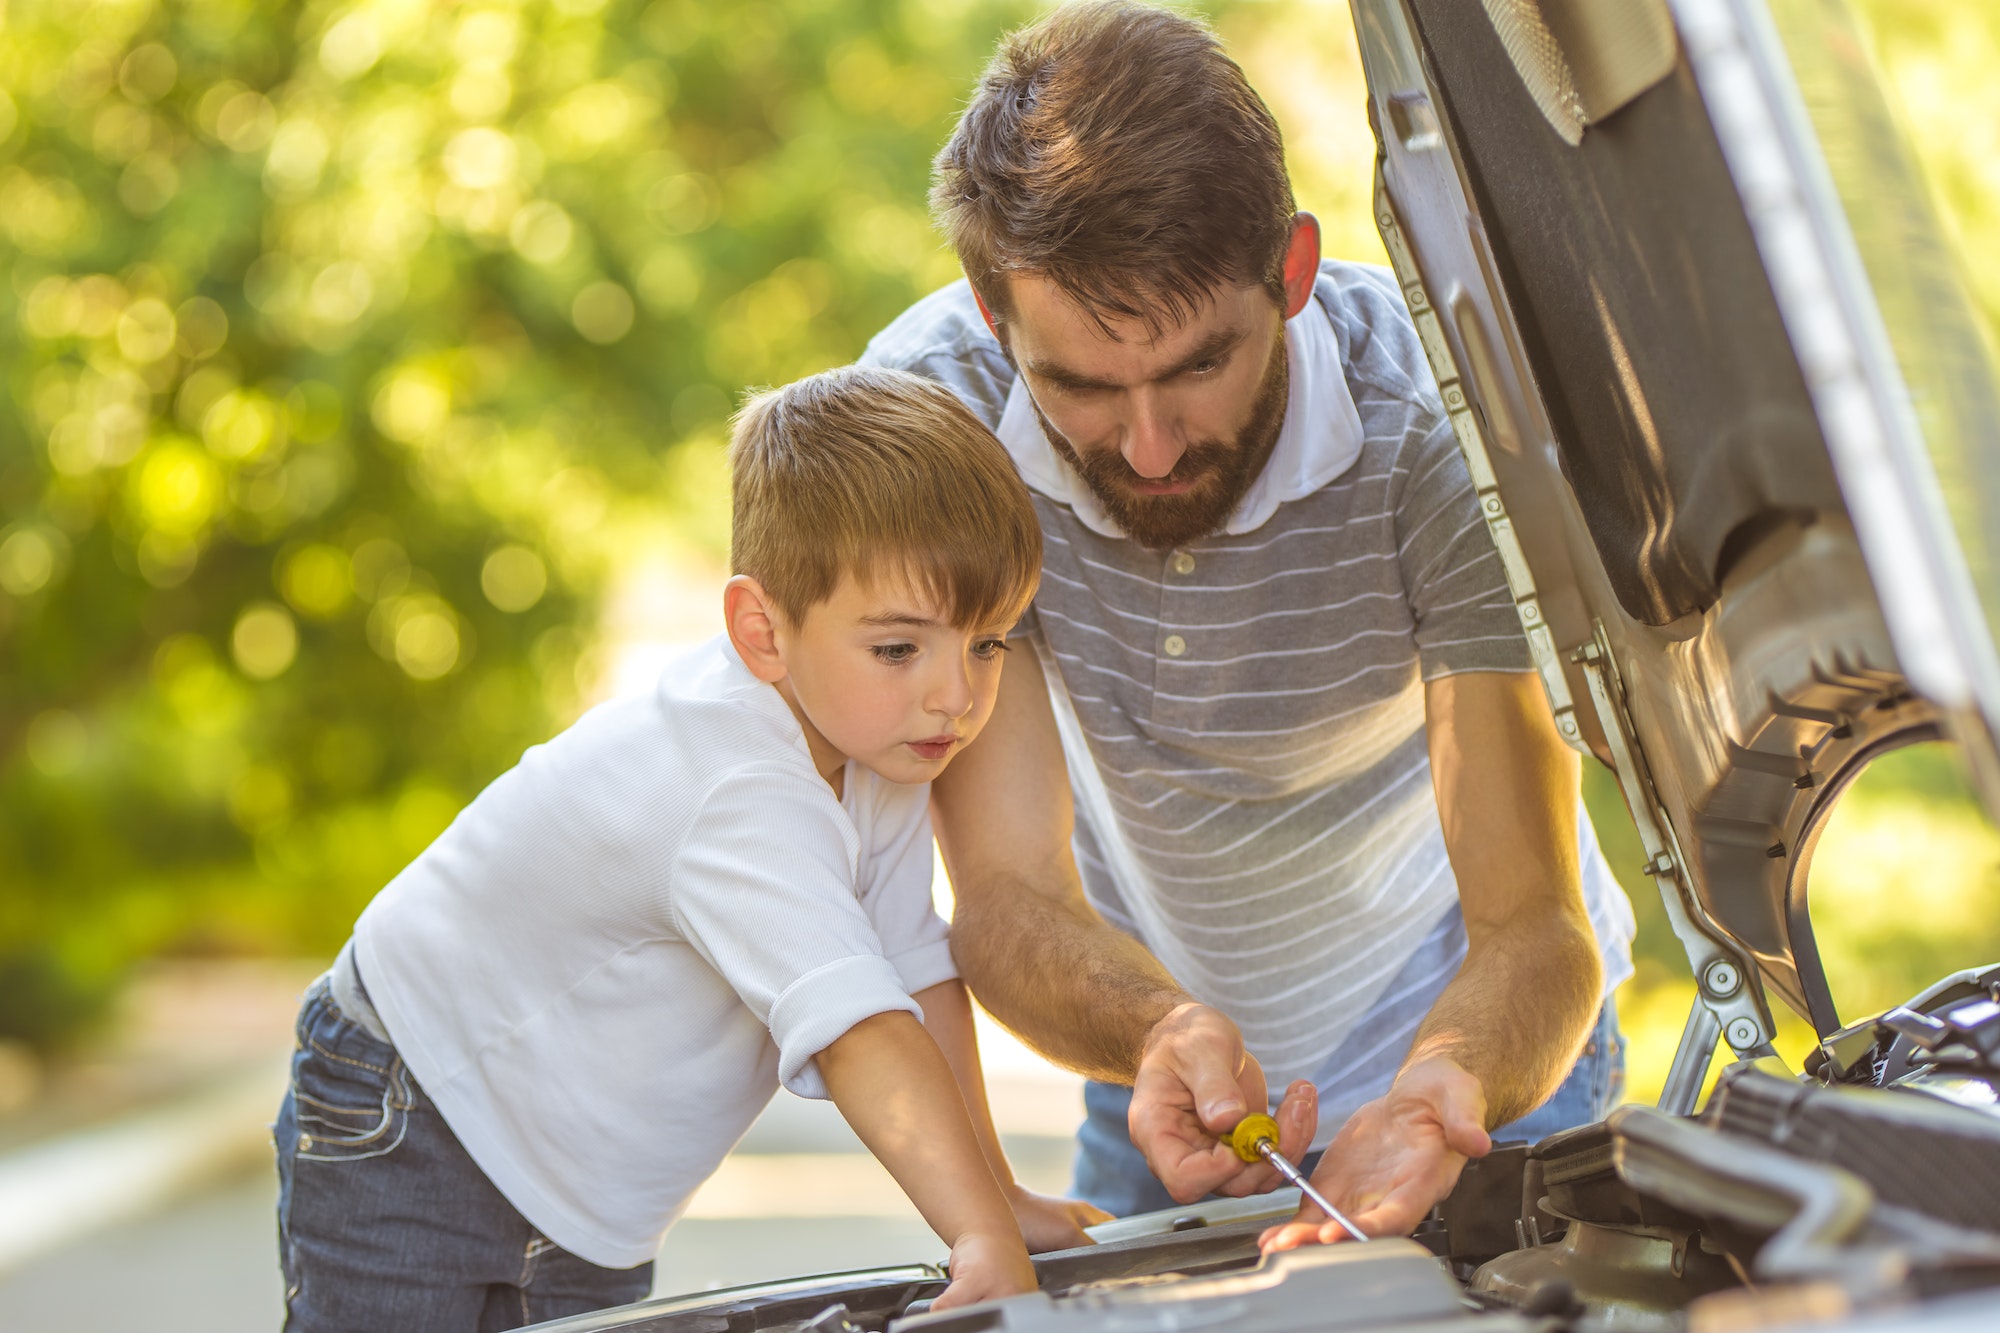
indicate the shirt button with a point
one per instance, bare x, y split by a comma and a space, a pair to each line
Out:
1183, 563
1175, 645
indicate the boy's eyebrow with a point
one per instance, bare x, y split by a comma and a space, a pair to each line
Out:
910, 618
1217, 344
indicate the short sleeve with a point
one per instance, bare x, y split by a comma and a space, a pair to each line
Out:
944, 338
764, 889
896, 872
1464, 612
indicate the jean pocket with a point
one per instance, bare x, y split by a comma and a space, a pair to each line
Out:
350, 1104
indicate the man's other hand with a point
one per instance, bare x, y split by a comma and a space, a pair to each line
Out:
1195, 1082
1396, 1157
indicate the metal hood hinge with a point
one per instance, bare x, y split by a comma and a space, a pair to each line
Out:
1726, 1003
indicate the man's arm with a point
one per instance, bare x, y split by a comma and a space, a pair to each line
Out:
1507, 1028
1043, 962
1518, 1011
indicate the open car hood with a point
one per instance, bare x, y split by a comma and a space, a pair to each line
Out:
1730, 415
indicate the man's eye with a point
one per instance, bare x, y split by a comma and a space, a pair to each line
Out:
1204, 368
894, 653
988, 649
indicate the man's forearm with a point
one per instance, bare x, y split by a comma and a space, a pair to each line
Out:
1518, 1011
1083, 994
1515, 1015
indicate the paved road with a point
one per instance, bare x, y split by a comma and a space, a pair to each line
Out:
208, 1263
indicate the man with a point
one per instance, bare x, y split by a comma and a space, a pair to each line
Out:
1314, 805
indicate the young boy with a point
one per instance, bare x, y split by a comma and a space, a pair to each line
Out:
550, 1028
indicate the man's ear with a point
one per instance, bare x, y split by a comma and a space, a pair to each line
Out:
992, 324
753, 622
1301, 263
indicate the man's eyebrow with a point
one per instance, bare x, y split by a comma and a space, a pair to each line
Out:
1069, 379
1214, 346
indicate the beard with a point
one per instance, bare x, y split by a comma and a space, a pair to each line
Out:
1219, 472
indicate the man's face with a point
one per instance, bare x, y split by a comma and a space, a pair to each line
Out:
1167, 427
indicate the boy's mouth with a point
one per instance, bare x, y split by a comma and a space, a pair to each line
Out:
936, 747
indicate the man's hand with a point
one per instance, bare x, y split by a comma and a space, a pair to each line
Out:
1396, 1157
1049, 1223
1195, 1082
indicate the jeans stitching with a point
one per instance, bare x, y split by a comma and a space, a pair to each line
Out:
346, 1060
336, 1109
384, 1113
532, 1252
391, 1104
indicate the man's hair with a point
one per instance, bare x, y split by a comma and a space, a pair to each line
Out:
874, 472
1114, 149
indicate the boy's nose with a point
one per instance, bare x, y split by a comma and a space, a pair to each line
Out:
952, 696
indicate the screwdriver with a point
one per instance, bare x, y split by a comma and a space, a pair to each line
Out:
1256, 1137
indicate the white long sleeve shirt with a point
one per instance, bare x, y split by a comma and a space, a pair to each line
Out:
602, 971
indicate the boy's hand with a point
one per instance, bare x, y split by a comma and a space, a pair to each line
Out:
1049, 1223
986, 1267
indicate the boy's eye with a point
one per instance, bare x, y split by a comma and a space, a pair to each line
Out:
894, 653
988, 649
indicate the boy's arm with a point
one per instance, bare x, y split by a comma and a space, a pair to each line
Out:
1047, 1223
891, 1081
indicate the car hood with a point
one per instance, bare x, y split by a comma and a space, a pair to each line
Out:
1731, 417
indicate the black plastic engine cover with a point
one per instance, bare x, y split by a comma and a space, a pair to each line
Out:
1913, 1150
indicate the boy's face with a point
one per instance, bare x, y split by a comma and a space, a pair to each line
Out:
878, 674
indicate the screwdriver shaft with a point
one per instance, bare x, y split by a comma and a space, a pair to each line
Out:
1297, 1177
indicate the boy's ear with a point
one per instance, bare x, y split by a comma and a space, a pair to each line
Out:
752, 620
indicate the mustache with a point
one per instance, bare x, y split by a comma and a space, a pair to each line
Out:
1201, 460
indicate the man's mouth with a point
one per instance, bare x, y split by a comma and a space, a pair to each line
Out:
937, 747
1161, 485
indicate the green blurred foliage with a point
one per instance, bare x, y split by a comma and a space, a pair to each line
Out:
352, 348
348, 346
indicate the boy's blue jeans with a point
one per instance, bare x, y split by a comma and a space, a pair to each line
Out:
385, 1224
1112, 1174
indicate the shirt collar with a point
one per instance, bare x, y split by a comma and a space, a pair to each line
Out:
1320, 439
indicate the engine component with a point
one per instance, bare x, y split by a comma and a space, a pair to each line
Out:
1383, 1285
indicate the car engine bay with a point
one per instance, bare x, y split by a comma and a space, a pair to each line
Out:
1865, 1193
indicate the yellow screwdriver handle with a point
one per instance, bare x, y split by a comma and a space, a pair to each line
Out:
1249, 1132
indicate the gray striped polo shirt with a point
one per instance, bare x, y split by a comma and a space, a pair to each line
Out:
1243, 718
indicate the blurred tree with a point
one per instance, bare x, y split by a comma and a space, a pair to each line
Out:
350, 345
347, 345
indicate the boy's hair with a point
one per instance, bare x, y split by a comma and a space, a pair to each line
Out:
1114, 149
871, 472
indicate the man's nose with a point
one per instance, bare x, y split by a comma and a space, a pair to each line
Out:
1151, 447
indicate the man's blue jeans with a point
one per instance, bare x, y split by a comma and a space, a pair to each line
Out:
1112, 1174
385, 1224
